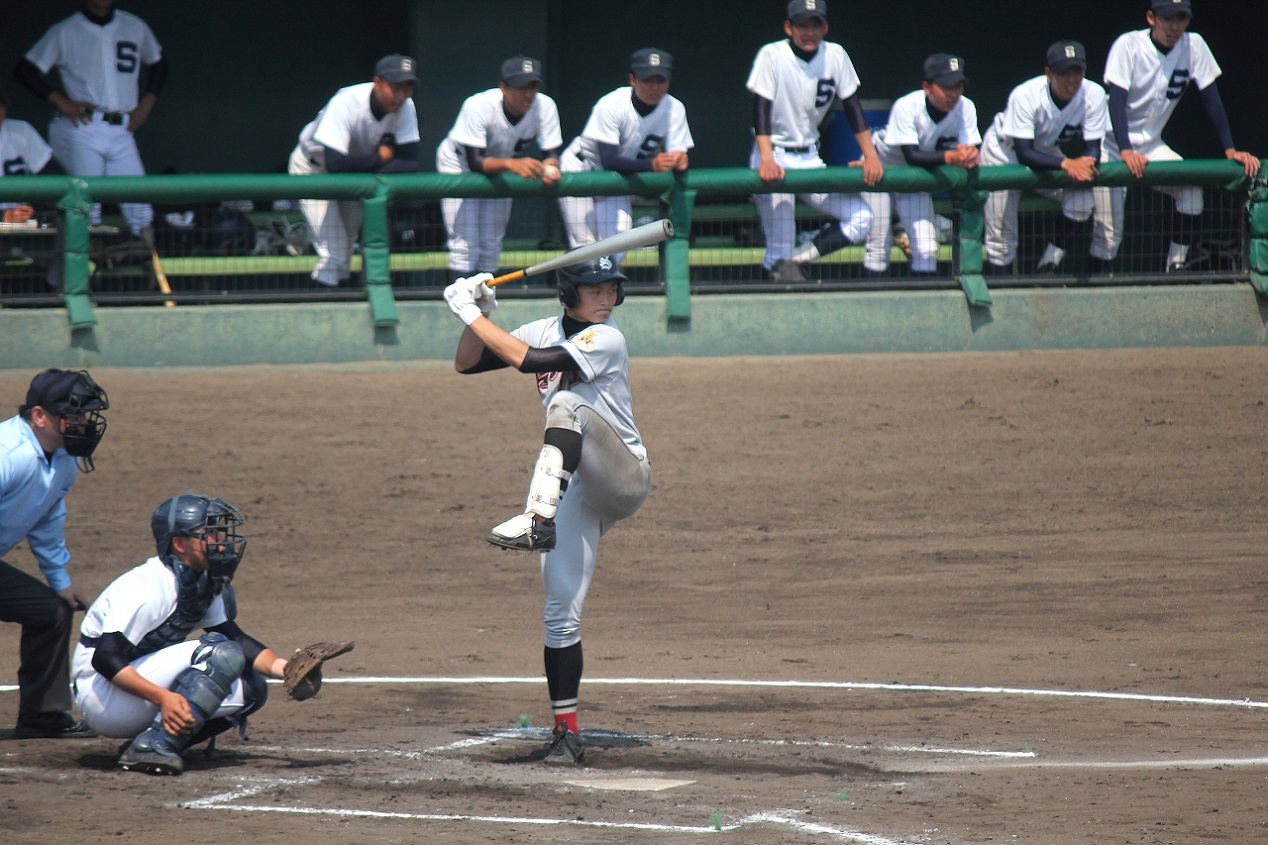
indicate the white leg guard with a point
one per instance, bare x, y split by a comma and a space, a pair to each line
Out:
1177, 254
1052, 257
548, 484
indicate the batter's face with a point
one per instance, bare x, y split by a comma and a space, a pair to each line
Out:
595, 302
1066, 84
944, 97
650, 91
517, 101
1167, 31
392, 95
807, 36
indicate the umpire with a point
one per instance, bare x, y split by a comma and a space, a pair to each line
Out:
42, 450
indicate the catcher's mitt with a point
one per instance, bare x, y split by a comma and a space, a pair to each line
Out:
302, 676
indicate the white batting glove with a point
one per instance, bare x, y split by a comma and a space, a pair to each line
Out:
461, 302
484, 296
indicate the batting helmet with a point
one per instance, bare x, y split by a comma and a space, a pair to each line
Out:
213, 520
74, 396
591, 273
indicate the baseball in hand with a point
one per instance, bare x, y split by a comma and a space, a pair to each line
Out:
550, 173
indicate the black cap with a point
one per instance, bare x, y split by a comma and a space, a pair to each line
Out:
800, 11
1066, 54
945, 69
1171, 8
518, 71
396, 68
62, 392
650, 62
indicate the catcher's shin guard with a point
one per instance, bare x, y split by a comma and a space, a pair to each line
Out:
215, 665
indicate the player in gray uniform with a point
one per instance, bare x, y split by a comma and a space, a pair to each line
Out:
490, 136
634, 129
592, 470
794, 83
934, 126
1052, 122
370, 127
99, 53
1146, 74
135, 673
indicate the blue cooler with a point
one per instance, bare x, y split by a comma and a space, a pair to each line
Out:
840, 147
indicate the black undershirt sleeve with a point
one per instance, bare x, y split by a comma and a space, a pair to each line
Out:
113, 654
551, 359
917, 157
612, 160
1032, 158
251, 647
853, 108
475, 158
1214, 105
1118, 116
761, 115
26, 73
404, 159
157, 76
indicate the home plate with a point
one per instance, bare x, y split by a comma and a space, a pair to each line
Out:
631, 784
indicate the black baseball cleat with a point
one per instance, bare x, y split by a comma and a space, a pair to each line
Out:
565, 749
54, 726
527, 532
150, 762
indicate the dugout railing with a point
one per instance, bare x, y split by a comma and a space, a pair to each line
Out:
685, 198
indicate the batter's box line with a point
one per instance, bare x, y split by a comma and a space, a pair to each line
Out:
828, 685
787, 818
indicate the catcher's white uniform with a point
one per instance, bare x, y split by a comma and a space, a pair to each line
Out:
615, 121
801, 93
99, 64
346, 125
1154, 82
1031, 113
614, 477
910, 124
136, 603
477, 225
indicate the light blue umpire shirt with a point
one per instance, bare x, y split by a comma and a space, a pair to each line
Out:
33, 492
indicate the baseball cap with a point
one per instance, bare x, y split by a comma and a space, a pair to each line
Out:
800, 11
518, 71
650, 62
65, 390
1066, 54
396, 68
1171, 8
945, 69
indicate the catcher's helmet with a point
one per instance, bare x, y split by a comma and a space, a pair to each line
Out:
591, 273
74, 396
213, 520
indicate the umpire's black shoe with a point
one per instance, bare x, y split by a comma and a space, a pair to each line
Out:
53, 726
565, 749
527, 532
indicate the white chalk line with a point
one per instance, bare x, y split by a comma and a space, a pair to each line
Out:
831, 685
222, 801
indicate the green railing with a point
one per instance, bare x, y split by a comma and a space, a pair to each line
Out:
677, 193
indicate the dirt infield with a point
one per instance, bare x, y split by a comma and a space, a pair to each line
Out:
1016, 597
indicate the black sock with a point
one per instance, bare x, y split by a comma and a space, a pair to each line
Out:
563, 682
568, 442
1182, 226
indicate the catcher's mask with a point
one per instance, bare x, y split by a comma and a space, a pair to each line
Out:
73, 396
591, 273
212, 520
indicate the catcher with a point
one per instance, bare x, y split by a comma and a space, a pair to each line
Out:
136, 675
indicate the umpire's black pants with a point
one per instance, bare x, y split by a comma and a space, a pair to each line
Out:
46, 620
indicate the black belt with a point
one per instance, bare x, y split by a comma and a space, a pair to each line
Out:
114, 118
797, 150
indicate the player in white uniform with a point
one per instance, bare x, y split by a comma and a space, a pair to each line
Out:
592, 470
22, 153
794, 83
99, 53
135, 673
1052, 122
1146, 73
934, 126
633, 129
370, 127
490, 136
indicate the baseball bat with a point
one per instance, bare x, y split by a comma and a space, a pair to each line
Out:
640, 236
159, 275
